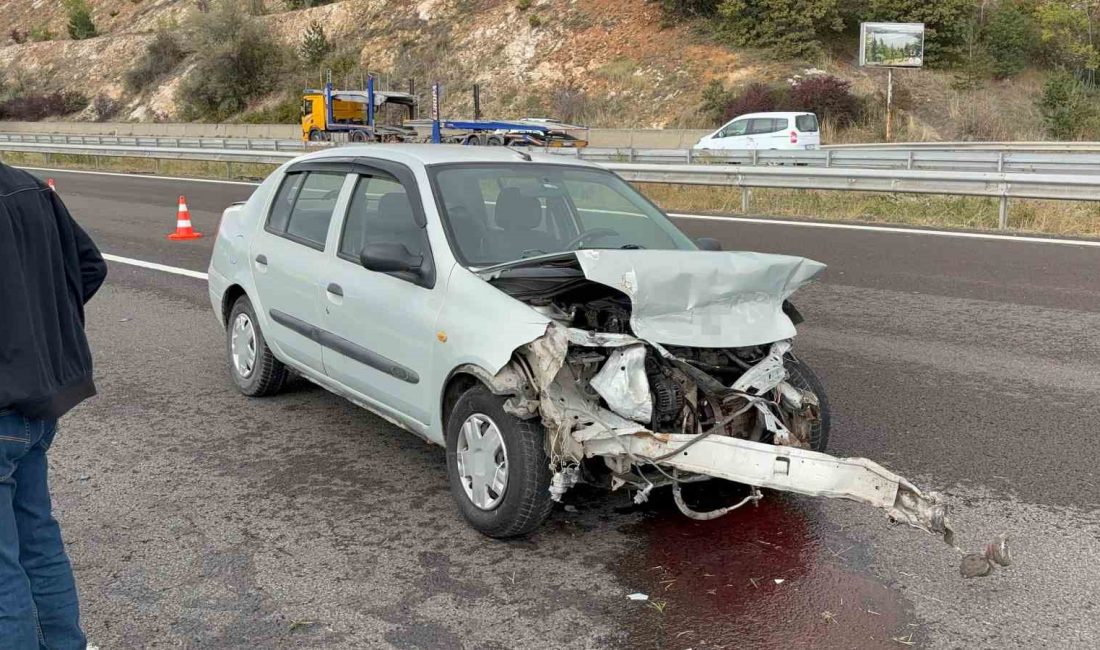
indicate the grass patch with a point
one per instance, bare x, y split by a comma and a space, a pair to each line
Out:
1076, 218
182, 168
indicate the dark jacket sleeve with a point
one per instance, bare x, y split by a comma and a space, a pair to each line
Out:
93, 270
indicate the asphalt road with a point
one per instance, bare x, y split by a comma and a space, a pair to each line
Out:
199, 518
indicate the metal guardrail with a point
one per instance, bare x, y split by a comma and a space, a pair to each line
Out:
1039, 157
1068, 184
248, 144
911, 159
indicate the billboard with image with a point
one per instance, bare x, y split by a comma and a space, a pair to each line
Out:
891, 45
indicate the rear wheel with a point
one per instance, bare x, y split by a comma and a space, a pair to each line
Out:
497, 467
474, 139
254, 369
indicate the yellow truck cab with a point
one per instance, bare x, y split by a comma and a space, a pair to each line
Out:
364, 115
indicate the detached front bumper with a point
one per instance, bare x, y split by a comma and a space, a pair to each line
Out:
789, 469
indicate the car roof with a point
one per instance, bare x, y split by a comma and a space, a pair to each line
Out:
774, 114
439, 154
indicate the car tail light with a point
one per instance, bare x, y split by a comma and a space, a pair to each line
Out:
794, 137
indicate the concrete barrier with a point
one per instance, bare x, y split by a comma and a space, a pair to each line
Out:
645, 138
159, 129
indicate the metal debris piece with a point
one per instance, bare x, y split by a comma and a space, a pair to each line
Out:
638, 596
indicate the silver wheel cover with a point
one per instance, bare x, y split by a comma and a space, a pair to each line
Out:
482, 461
242, 346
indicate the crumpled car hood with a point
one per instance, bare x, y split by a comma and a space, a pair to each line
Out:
713, 299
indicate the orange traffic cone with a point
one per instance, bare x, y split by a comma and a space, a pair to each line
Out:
183, 223
51, 184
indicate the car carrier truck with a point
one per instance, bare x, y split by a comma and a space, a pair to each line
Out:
369, 116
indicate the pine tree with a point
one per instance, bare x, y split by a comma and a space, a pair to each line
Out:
315, 45
80, 20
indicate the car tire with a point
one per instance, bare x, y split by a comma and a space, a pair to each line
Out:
801, 376
524, 502
254, 369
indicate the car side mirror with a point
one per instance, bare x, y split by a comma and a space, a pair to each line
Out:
390, 257
708, 244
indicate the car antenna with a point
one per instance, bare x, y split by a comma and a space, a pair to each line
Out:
523, 154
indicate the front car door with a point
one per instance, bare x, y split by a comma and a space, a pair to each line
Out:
382, 325
285, 255
732, 136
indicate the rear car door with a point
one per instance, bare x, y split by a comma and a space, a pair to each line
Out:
380, 327
809, 133
285, 256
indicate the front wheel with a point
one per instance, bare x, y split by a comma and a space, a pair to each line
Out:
801, 376
497, 466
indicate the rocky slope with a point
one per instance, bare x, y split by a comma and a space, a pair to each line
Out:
616, 62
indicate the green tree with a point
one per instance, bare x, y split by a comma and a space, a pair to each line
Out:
315, 46
1066, 106
1009, 38
80, 19
715, 100
236, 61
1069, 33
790, 28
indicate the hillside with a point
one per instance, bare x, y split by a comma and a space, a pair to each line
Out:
609, 62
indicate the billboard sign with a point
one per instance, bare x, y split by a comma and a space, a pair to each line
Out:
891, 45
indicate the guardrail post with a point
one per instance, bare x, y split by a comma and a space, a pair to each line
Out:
745, 200
1002, 213
754, 159
1001, 161
828, 157
228, 169
909, 160
630, 155
689, 156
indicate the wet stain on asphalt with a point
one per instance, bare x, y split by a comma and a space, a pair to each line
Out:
760, 577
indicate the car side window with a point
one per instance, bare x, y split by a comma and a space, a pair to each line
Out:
284, 202
735, 128
312, 212
380, 211
764, 125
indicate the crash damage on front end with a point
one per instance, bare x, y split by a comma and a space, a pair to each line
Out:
669, 367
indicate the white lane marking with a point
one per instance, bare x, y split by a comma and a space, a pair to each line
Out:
889, 229
156, 267
895, 230
149, 176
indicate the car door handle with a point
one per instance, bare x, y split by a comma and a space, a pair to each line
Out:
261, 260
335, 289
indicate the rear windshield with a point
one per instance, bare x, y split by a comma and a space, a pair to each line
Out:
806, 123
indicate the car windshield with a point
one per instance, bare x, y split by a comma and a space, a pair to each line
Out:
499, 213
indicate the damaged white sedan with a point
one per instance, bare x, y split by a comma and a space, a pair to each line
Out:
540, 319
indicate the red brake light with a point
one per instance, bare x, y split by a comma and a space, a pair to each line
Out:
794, 137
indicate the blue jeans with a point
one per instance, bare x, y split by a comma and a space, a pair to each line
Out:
38, 605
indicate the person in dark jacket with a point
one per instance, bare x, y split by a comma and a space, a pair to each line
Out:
49, 268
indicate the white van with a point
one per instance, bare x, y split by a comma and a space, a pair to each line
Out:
765, 131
